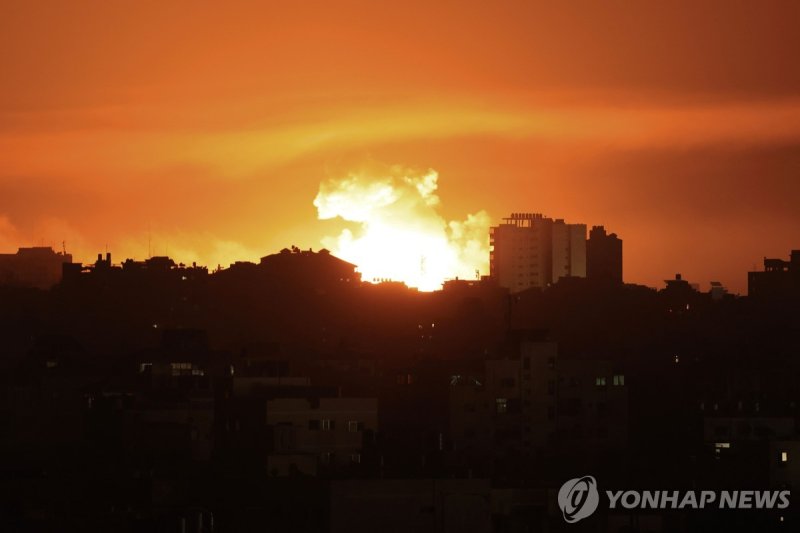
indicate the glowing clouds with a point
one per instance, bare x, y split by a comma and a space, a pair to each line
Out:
400, 235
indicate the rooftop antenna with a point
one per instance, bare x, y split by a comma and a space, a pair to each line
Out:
64, 247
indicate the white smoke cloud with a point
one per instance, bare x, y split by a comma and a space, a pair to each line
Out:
400, 234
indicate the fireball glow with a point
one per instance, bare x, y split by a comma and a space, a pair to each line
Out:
400, 235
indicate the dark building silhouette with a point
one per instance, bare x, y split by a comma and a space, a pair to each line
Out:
130, 272
603, 256
39, 267
779, 279
306, 267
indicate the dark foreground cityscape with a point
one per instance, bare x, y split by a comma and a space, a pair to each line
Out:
289, 395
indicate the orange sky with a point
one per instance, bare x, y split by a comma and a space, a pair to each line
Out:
211, 125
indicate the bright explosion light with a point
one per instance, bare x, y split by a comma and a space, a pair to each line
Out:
400, 235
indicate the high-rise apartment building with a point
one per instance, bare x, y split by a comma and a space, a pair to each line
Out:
604, 256
530, 250
780, 279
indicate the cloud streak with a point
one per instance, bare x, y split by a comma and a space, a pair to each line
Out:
233, 153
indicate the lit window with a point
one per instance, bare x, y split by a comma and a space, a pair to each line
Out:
327, 424
352, 426
784, 457
600, 382
180, 369
502, 405
619, 380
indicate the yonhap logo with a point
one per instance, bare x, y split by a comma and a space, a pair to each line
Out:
578, 498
